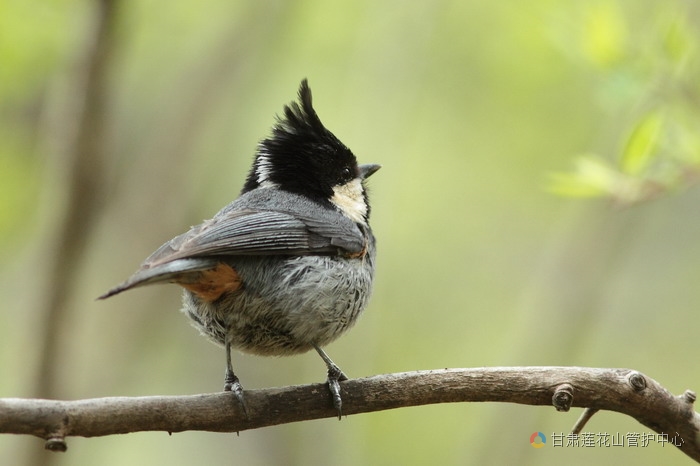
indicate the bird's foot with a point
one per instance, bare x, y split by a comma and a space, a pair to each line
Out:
335, 375
232, 384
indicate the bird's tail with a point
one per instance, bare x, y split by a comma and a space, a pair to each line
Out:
168, 272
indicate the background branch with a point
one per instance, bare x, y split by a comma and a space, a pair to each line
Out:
622, 390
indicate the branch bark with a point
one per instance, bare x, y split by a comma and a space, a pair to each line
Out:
622, 390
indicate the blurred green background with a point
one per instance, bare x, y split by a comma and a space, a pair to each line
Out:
470, 106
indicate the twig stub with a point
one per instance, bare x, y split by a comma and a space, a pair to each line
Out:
563, 397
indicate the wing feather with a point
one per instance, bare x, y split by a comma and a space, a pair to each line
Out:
251, 232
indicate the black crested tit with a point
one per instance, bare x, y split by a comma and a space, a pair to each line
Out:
288, 266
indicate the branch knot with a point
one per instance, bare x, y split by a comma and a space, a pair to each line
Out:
563, 397
637, 381
56, 443
689, 396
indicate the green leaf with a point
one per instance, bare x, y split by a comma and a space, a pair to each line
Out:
641, 144
592, 177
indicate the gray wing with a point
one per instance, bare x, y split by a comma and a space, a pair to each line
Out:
297, 227
250, 232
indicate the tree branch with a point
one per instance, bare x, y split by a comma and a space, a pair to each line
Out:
622, 390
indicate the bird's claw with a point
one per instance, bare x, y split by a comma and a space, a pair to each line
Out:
335, 375
232, 384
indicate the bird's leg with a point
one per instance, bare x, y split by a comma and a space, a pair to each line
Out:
335, 375
231, 382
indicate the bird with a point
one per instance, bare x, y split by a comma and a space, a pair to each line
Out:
289, 265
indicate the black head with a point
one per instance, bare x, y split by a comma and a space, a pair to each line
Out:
303, 157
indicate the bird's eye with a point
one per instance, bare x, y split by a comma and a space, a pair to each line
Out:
347, 173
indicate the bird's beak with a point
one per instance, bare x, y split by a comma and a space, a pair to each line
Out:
368, 170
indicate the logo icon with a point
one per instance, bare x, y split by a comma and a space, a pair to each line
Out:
538, 440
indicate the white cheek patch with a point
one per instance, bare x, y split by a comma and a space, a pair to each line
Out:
263, 167
350, 199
